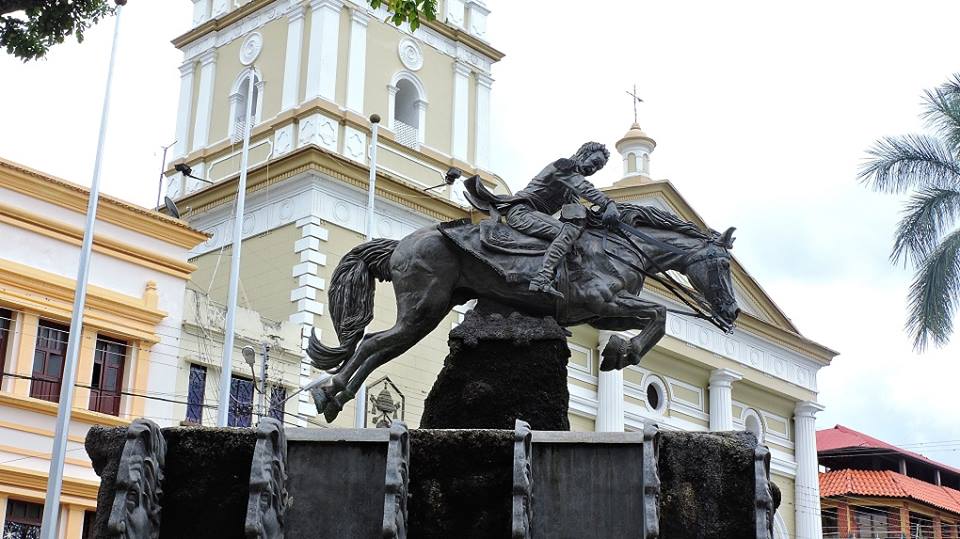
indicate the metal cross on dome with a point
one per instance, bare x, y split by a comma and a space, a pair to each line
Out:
636, 99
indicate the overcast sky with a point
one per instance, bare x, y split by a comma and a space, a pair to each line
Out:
761, 113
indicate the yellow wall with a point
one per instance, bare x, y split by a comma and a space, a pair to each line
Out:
266, 273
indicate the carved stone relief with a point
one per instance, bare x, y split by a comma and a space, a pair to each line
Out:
268, 498
135, 512
522, 480
397, 482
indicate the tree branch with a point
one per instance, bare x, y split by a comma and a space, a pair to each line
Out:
9, 6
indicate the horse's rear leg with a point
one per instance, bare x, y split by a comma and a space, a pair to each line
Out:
381, 347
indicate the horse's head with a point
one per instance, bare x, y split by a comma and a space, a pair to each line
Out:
708, 270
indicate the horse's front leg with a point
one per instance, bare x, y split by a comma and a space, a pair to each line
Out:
626, 311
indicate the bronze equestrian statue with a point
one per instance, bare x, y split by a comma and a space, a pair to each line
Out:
601, 262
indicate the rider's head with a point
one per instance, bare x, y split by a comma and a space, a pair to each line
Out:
591, 157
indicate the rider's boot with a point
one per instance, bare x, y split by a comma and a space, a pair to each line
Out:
543, 281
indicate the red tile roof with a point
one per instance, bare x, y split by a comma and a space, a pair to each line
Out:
888, 484
840, 437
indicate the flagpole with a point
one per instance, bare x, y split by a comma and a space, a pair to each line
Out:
360, 417
51, 506
227, 365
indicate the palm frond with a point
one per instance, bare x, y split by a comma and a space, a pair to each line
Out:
926, 217
895, 164
942, 112
934, 294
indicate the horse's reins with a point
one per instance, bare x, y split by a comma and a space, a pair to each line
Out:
699, 307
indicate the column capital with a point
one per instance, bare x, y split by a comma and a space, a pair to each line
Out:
296, 11
392, 90
484, 80
207, 57
335, 5
809, 409
461, 68
359, 15
724, 377
187, 68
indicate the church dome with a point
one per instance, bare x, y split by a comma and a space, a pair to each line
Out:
635, 147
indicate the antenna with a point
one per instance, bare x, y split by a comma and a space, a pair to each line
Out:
171, 207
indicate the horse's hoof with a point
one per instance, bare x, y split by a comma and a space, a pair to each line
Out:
615, 354
332, 410
320, 398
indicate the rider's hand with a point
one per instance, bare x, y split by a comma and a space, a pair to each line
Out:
611, 216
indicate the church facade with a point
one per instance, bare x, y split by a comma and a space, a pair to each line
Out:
320, 68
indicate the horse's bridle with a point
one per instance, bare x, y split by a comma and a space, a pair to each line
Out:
699, 306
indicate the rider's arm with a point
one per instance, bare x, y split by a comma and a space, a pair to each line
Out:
587, 191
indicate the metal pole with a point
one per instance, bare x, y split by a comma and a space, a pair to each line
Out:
51, 506
227, 366
163, 164
265, 352
360, 418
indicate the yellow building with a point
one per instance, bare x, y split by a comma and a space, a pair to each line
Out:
128, 361
321, 68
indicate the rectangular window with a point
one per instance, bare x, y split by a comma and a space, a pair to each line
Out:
831, 527
277, 396
870, 521
107, 379
195, 394
48, 358
23, 520
240, 412
921, 527
6, 323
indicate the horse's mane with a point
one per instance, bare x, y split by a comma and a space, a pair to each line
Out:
643, 215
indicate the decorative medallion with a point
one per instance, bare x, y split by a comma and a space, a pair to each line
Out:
250, 49
410, 54
386, 405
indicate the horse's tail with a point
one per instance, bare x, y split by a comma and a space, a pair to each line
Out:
351, 300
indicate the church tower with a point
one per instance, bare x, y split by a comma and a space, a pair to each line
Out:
320, 69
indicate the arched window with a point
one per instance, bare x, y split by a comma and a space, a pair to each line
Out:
238, 103
408, 106
645, 163
753, 423
631, 163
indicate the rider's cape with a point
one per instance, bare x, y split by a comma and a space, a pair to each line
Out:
515, 256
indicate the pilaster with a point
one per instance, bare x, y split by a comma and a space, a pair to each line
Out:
609, 393
357, 61
322, 52
807, 483
477, 18
721, 399
186, 106
140, 359
291, 64
88, 345
201, 128
482, 128
28, 328
74, 524
460, 116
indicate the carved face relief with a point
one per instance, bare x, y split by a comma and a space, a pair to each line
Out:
136, 504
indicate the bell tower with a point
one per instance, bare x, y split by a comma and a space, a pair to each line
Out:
635, 147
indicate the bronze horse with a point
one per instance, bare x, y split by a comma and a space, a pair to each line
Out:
431, 274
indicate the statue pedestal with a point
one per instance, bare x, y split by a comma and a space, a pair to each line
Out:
502, 366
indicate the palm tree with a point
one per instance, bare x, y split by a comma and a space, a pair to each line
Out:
928, 167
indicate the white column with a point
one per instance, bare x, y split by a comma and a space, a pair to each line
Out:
721, 399
183, 113
322, 52
609, 394
201, 11
421, 120
484, 84
357, 61
201, 128
461, 114
807, 483
291, 65
391, 104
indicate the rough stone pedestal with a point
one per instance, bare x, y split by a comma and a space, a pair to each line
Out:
502, 366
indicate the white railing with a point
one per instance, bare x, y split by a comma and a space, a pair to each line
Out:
406, 134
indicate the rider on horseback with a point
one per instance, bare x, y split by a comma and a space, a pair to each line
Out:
559, 187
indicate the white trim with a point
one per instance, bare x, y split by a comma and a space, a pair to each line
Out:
588, 370
460, 115
748, 413
357, 59
201, 128
779, 527
187, 71
421, 101
322, 55
239, 85
292, 59
201, 12
482, 122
